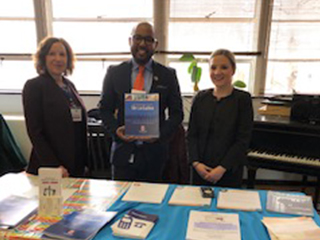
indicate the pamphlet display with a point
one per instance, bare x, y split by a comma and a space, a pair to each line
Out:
50, 192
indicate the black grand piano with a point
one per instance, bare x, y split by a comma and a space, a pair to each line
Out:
279, 143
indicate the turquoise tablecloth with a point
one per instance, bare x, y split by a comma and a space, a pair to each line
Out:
173, 220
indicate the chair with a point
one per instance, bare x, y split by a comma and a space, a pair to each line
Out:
11, 158
99, 152
177, 167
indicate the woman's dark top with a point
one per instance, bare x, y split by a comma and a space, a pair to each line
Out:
80, 129
219, 131
56, 139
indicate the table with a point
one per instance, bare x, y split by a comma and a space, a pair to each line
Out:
172, 222
97, 194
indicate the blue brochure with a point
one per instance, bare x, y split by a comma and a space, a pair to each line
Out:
142, 115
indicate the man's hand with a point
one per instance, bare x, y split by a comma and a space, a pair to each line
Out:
121, 134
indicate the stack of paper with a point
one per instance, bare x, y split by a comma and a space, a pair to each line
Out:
188, 196
15, 209
239, 199
299, 228
78, 225
289, 203
134, 224
213, 226
146, 192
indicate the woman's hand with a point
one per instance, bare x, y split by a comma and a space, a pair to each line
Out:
64, 171
215, 174
201, 169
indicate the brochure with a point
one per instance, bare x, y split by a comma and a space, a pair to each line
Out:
142, 115
213, 226
146, 192
15, 209
134, 224
289, 203
79, 225
188, 196
297, 228
239, 199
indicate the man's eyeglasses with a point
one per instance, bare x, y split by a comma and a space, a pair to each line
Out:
148, 40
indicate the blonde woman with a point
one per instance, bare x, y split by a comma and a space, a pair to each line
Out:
220, 127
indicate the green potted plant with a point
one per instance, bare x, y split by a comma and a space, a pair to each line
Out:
195, 71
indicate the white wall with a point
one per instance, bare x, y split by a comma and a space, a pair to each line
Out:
12, 103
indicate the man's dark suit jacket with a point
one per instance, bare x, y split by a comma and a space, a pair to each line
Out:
118, 82
49, 124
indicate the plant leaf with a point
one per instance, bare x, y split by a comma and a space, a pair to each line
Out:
196, 74
192, 64
239, 84
187, 57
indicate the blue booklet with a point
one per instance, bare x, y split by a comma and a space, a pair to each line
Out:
134, 224
78, 225
142, 115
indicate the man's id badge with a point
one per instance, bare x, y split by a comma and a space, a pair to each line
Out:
76, 114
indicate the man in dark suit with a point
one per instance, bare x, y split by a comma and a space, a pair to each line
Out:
140, 159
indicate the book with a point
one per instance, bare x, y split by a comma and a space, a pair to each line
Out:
146, 192
239, 199
188, 196
15, 209
297, 228
81, 225
213, 226
289, 203
275, 110
142, 115
134, 224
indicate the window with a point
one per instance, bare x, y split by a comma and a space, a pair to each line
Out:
14, 74
98, 32
18, 40
95, 27
206, 25
202, 25
186, 86
294, 52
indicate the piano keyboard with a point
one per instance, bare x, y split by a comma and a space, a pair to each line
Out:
285, 158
